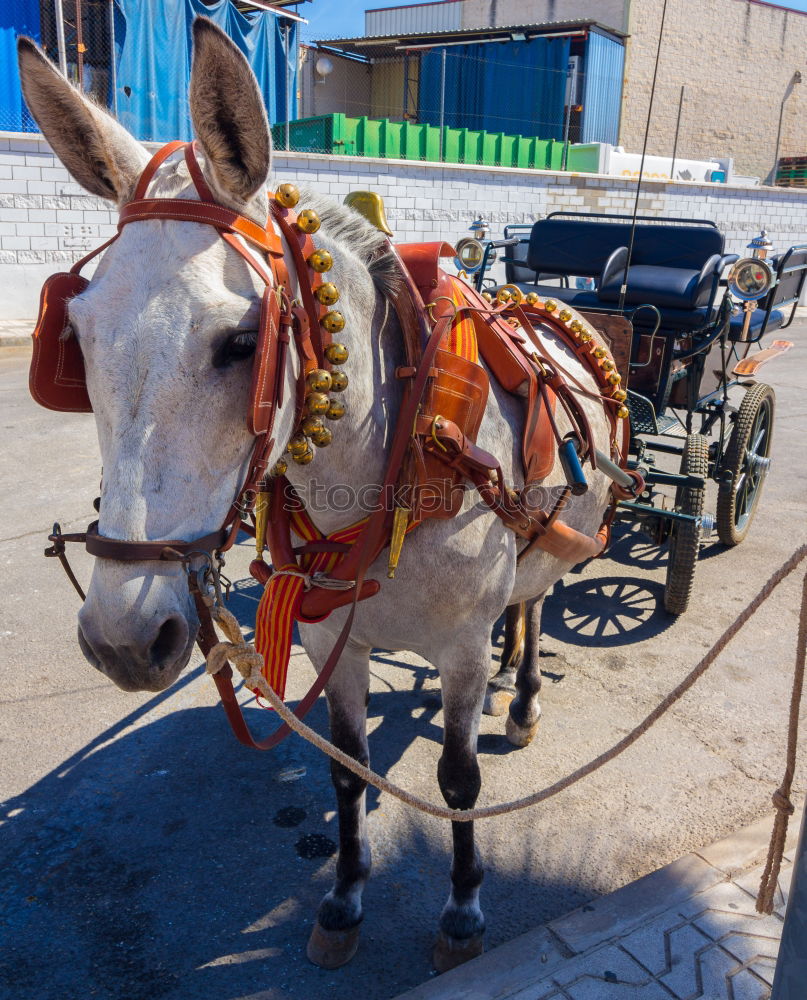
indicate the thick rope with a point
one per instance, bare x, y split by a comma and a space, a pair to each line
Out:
781, 797
248, 663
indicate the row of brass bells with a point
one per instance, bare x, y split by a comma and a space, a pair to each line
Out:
612, 376
319, 382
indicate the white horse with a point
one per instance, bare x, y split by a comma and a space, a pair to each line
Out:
167, 330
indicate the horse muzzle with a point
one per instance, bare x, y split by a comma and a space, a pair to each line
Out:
139, 633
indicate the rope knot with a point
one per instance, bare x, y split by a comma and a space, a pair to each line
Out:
782, 802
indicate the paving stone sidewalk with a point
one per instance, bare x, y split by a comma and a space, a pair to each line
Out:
689, 931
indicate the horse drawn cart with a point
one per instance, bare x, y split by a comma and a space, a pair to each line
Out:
698, 316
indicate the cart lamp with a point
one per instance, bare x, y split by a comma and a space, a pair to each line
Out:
750, 279
760, 246
470, 254
479, 227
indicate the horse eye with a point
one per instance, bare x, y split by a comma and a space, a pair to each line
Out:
237, 347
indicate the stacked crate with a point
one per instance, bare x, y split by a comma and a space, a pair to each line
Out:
792, 171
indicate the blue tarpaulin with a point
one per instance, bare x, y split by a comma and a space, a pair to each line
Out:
512, 87
155, 61
602, 97
17, 17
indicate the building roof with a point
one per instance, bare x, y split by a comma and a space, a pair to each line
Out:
460, 35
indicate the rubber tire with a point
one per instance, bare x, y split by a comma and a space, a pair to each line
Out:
685, 538
758, 395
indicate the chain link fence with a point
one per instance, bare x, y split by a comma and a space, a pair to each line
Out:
498, 105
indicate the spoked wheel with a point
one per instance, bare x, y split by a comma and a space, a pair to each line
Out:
686, 535
746, 464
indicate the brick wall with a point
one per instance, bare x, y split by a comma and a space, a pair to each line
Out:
47, 221
737, 60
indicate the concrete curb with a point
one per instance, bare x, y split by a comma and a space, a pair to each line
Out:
532, 960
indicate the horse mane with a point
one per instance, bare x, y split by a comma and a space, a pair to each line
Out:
365, 241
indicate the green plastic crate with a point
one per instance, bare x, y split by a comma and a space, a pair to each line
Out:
338, 134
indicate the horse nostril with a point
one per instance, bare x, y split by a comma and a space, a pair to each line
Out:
170, 642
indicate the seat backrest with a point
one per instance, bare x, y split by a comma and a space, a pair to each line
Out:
791, 269
512, 272
580, 246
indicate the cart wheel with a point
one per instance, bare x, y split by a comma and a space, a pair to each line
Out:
745, 465
686, 536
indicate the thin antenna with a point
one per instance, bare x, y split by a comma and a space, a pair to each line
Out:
623, 291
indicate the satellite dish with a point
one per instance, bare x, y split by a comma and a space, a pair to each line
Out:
323, 67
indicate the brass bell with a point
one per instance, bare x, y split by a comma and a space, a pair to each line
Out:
322, 438
585, 336
576, 326
504, 295
305, 457
598, 352
619, 395
279, 468
531, 298
614, 378
337, 354
333, 321
312, 425
607, 365
623, 412
298, 445
320, 261
487, 296
327, 294
319, 380
308, 221
565, 315
287, 195
338, 382
336, 410
317, 403
550, 305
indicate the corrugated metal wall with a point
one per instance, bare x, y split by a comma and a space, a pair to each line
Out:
445, 15
602, 95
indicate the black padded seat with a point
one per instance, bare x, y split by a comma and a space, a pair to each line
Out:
777, 318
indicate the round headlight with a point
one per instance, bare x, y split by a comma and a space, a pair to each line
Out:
469, 255
750, 279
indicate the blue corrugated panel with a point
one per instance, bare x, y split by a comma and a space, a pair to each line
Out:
602, 95
512, 87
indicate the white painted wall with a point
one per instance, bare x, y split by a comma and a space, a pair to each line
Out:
47, 221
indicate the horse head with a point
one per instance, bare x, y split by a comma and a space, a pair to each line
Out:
166, 327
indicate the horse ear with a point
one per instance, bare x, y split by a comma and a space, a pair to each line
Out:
100, 154
228, 113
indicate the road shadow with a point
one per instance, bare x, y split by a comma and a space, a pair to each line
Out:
164, 860
605, 611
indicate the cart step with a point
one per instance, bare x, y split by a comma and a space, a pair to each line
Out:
642, 414
750, 365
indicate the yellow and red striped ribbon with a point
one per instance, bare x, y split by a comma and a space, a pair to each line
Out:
280, 603
461, 339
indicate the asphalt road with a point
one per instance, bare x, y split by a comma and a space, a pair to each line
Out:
145, 854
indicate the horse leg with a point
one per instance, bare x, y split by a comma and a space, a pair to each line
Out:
525, 709
502, 687
461, 922
335, 936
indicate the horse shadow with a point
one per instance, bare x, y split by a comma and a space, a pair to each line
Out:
164, 860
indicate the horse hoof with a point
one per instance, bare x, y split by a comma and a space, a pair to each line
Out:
450, 952
497, 701
521, 736
332, 949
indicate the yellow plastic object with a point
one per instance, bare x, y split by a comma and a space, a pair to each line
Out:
371, 206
